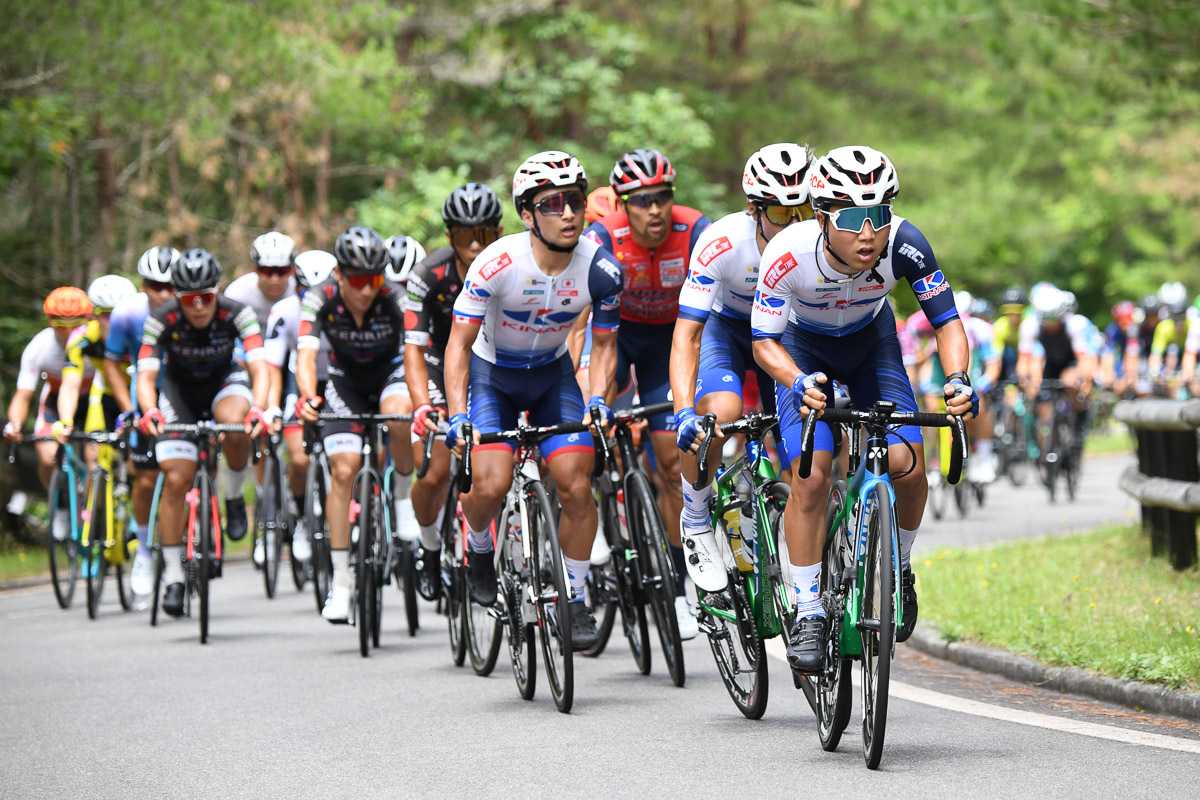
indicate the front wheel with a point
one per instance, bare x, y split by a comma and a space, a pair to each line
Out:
454, 579
94, 564
203, 554
833, 688
61, 545
483, 633
553, 597
406, 582
656, 568
268, 526
318, 530
878, 622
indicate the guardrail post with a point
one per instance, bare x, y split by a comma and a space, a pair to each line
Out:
1150, 463
1179, 455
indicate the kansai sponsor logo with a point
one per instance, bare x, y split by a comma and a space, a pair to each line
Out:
494, 266
782, 266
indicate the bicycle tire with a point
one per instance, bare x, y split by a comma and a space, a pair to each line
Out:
656, 569
483, 634
203, 552
738, 650
94, 565
378, 566
454, 583
630, 602
553, 594
521, 635
363, 591
159, 566
878, 596
122, 539
1017, 451
266, 527
936, 500
962, 497
834, 690
1070, 465
602, 577
406, 581
63, 553
318, 531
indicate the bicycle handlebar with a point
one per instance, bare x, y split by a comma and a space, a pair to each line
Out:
707, 425
464, 466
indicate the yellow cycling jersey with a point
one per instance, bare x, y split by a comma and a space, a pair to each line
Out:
1166, 333
88, 344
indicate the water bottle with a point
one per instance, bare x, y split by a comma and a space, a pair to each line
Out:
733, 529
623, 524
750, 533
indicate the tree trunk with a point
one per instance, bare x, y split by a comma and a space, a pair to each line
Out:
106, 202
320, 220
290, 148
175, 221
76, 263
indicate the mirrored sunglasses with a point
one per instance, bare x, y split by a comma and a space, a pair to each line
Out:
485, 235
555, 204
647, 199
785, 215
853, 219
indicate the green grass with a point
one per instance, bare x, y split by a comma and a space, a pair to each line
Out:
1095, 600
1115, 440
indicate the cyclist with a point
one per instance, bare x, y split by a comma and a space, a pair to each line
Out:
403, 254
66, 309
1170, 334
472, 215
313, 268
1187, 369
196, 334
362, 318
832, 275
1123, 342
600, 203
712, 352
1005, 336
120, 353
508, 350
653, 239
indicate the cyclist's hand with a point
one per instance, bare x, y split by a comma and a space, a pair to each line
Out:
61, 431
274, 418
255, 422
152, 422
806, 394
425, 419
454, 435
961, 399
126, 419
688, 435
12, 432
597, 401
308, 408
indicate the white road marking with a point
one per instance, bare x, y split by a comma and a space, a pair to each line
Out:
948, 702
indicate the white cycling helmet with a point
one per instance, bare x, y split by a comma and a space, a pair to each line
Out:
1070, 302
109, 290
404, 252
852, 175
273, 249
1047, 300
546, 169
963, 300
778, 173
1173, 293
313, 267
157, 262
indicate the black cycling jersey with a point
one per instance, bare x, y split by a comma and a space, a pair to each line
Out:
365, 353
433, 286
196, 354
1060, 353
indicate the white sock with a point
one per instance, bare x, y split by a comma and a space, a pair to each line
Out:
172, 566
907, 538
577, 575
341, 568
430, 539
143, 536
402, 486
808, 590
480, 541
695, 505
983, 447
234, 479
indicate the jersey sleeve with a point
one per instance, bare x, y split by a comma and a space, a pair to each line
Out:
150, 353
116, 345
249, 333
275, 347
1027, 336
600, 235
604, 285
779, 283
1164, 331
80, 339
30, 372
701, 225
914, 260
1079, 329
311, 318
416, 315
704, 277
484, 281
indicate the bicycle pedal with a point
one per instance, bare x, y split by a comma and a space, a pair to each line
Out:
495, 613
712, 631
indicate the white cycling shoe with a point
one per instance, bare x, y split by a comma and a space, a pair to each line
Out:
301, 546
704, 562
689, 627
337, 605
141, 575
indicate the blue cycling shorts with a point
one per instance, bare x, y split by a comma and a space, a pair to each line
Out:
726, 355
496, 396
867, 362
647, 349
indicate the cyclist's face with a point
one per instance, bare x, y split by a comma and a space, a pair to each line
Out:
273, 284
198, 314
861, 250
157, 293
562, 229
358, 299
650, 226
104, 317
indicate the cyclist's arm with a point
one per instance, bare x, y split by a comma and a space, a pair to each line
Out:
260, 380
114, 379
306, 371
603, 367
578, 337
458, 364
954, 350
149, 362
1163, 332
275, 386
18, 408
771, 356
417, 335
685, 361
416, 374
147, 394
68, 395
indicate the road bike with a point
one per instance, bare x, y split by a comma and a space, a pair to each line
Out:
316, 488
106, 542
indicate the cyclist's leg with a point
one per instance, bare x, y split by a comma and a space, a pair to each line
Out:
343, 447
394, 399
46, 451
230, 406
176, 455
429, 493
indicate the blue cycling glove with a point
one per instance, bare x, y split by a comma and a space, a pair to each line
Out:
455, 431
687, 428
596, 401
962, 387
802, 384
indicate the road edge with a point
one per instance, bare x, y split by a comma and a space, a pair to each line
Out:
1071, 680
40, 580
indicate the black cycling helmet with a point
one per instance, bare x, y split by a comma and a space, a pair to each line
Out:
639, 168
361, 248
1150, 305
472, 204
1014, 296
197, 270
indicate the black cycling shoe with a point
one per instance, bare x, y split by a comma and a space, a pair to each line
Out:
806, 645
429, 574
235, 518
481, 578
908, 596
173, 600
584, 635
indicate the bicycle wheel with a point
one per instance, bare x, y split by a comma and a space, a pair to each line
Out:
380, 553
962, 497
454, 582
204, 554
522, 648
553, 594
1016, 450
158, 576
878, 624
406, 582
124, 541
833, 687
64, 552
657, 570
483, 633
937, 498
601, 580
314, 517
266, 527
361, 546
1069, 464
94, 564
737, 649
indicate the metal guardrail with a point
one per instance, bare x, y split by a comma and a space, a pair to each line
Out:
1166, 480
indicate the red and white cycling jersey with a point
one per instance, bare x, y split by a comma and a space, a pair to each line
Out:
44, 358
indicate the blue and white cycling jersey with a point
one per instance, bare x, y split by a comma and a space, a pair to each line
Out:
526, 314
796, 284
125, 328
724, 271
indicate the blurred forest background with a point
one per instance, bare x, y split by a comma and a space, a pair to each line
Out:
1044, 139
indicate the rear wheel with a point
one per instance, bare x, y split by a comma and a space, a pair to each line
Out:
314, 516
521, 634
203, 555
363, 590
406, 582
124, 542
553, 594
834, 692
94, 565
657, 570
483, 633
878, 628
600, 588
267, 526
64, 551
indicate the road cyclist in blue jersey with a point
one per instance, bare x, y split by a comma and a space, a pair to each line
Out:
713, 348
507, 353
821, 314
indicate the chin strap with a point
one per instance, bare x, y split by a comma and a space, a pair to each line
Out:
557, 248
874, 275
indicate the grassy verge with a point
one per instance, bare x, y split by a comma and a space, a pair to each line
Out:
1111, 442
1095, 600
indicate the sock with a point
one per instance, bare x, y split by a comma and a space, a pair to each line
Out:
143, 536
695, 506
234, 479
429, 537
577, 575
808, 590
341, 568
480, 541
172, 566
983, 447
402, 486
907, 538
680, 560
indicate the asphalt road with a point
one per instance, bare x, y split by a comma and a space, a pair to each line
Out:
280, 704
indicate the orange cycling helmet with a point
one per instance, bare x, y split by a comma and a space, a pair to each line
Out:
67, 302
600, 203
